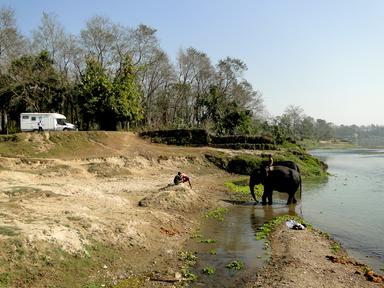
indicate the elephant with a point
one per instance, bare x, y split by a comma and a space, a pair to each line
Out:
279, 178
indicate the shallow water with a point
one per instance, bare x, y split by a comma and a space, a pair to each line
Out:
348, 205
235, 241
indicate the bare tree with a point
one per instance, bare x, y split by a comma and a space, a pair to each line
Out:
12, 43
98, 39
195, 76
62, 47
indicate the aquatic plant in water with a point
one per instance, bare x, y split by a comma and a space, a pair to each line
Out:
209, 270
235, 265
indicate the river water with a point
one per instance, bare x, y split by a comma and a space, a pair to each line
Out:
349, 205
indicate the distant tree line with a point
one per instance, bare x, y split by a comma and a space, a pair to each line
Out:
114, 77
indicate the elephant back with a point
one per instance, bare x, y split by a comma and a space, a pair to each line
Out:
287, 163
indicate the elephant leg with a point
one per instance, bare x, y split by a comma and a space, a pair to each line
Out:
270, 197
291, 199
264, 197
267, 195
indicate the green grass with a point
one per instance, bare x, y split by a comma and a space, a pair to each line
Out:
217, 213
335, 247
242, 191
9, 231
49, 266
264, 231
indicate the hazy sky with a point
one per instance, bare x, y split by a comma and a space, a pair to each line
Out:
326, 56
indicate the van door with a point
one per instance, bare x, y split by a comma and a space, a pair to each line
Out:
60, 124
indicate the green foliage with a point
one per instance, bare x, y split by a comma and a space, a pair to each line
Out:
235, 265
108, 101
213, 252
243, 164
32, 85
335, 247
188, 258
188, 275
209, 270
243, 190
217, 213
264, 231
96, 94
127, 93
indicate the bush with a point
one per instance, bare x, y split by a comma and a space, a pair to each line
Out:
243, 164
192, 137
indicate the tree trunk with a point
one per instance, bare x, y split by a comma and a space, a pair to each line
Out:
4, 122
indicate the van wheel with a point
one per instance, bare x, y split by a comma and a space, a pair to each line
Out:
65, 129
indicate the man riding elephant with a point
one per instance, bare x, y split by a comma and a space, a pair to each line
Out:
279, 178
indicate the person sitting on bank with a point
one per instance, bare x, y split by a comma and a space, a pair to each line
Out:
181, 178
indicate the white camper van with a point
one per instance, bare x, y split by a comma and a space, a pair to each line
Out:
47, 121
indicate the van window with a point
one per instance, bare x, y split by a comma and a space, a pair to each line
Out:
61, 121
33, 118
25, 117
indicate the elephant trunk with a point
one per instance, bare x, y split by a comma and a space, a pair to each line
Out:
300, 187
252, 188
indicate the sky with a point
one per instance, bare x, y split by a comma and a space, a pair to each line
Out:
325, 56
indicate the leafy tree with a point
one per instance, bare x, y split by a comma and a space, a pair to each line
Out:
236, 121
107, 101
95, 96
34, 85
127, 94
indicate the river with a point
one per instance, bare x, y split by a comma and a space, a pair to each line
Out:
348, 205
